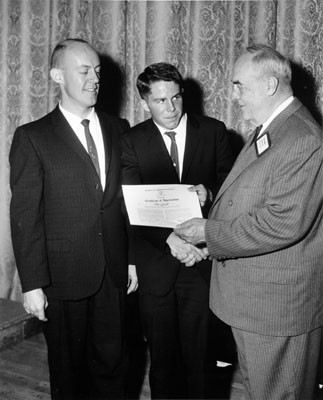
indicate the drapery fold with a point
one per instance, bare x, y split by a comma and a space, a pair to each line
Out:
202, 38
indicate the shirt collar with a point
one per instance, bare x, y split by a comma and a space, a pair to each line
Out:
181, 127
278, 110
73, 118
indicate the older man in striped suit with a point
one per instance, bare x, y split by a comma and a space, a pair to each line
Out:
265, 235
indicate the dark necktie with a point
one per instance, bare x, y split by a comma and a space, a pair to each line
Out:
257, 130
173, 150
91, 145
255, 134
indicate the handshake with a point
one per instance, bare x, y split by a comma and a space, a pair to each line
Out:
185, 252
184, 242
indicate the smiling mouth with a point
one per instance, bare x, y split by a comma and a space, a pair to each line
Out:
92, 91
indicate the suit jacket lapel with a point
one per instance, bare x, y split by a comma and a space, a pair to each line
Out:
65, 132
105, 127
247, 156
158, 152
274, 127
191, 145
248, 153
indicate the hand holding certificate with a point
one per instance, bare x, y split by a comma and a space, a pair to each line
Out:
160, 205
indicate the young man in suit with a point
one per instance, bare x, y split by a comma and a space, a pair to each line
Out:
68, 233
265, 233
173, 298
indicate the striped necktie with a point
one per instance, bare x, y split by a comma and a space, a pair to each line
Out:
91, 145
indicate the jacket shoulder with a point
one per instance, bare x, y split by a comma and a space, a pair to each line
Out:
139, 131
113, 120
142, 126
44, 120
305, 121
36, 129
299, 125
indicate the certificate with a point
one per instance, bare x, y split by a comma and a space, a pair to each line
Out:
160, 205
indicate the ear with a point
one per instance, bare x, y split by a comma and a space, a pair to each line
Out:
57, 75
144, 105
272, 85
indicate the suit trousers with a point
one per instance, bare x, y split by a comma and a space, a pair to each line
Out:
86, 349
278, 367
175, 326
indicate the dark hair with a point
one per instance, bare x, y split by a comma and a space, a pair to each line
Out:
271, 62
157, 72
60, 49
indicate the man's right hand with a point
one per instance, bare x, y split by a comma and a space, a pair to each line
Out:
186, 253
35, 303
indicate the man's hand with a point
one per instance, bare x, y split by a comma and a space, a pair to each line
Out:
202, 193
184, 252
192, 231
132, 279
35, 303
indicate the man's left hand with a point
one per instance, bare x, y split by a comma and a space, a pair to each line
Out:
192, 231
202, 193
132, 279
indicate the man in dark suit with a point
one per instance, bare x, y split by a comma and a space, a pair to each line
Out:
68, 233
173, 298
265, 234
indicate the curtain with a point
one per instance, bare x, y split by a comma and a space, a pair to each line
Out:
202, 38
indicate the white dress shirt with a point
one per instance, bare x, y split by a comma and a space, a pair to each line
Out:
180, 139
96, 132
278, 110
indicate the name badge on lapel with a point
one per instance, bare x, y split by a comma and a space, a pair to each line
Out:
262, 144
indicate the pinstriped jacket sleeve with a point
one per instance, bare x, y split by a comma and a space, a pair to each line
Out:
272, 203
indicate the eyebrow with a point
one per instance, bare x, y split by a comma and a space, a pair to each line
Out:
177, 94
236, 82
164, 98
89, 66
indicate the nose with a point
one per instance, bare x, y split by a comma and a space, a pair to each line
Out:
95, 76
170, 105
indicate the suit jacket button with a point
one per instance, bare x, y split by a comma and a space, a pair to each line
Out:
230, 203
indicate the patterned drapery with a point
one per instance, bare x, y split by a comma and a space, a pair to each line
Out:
202, 38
